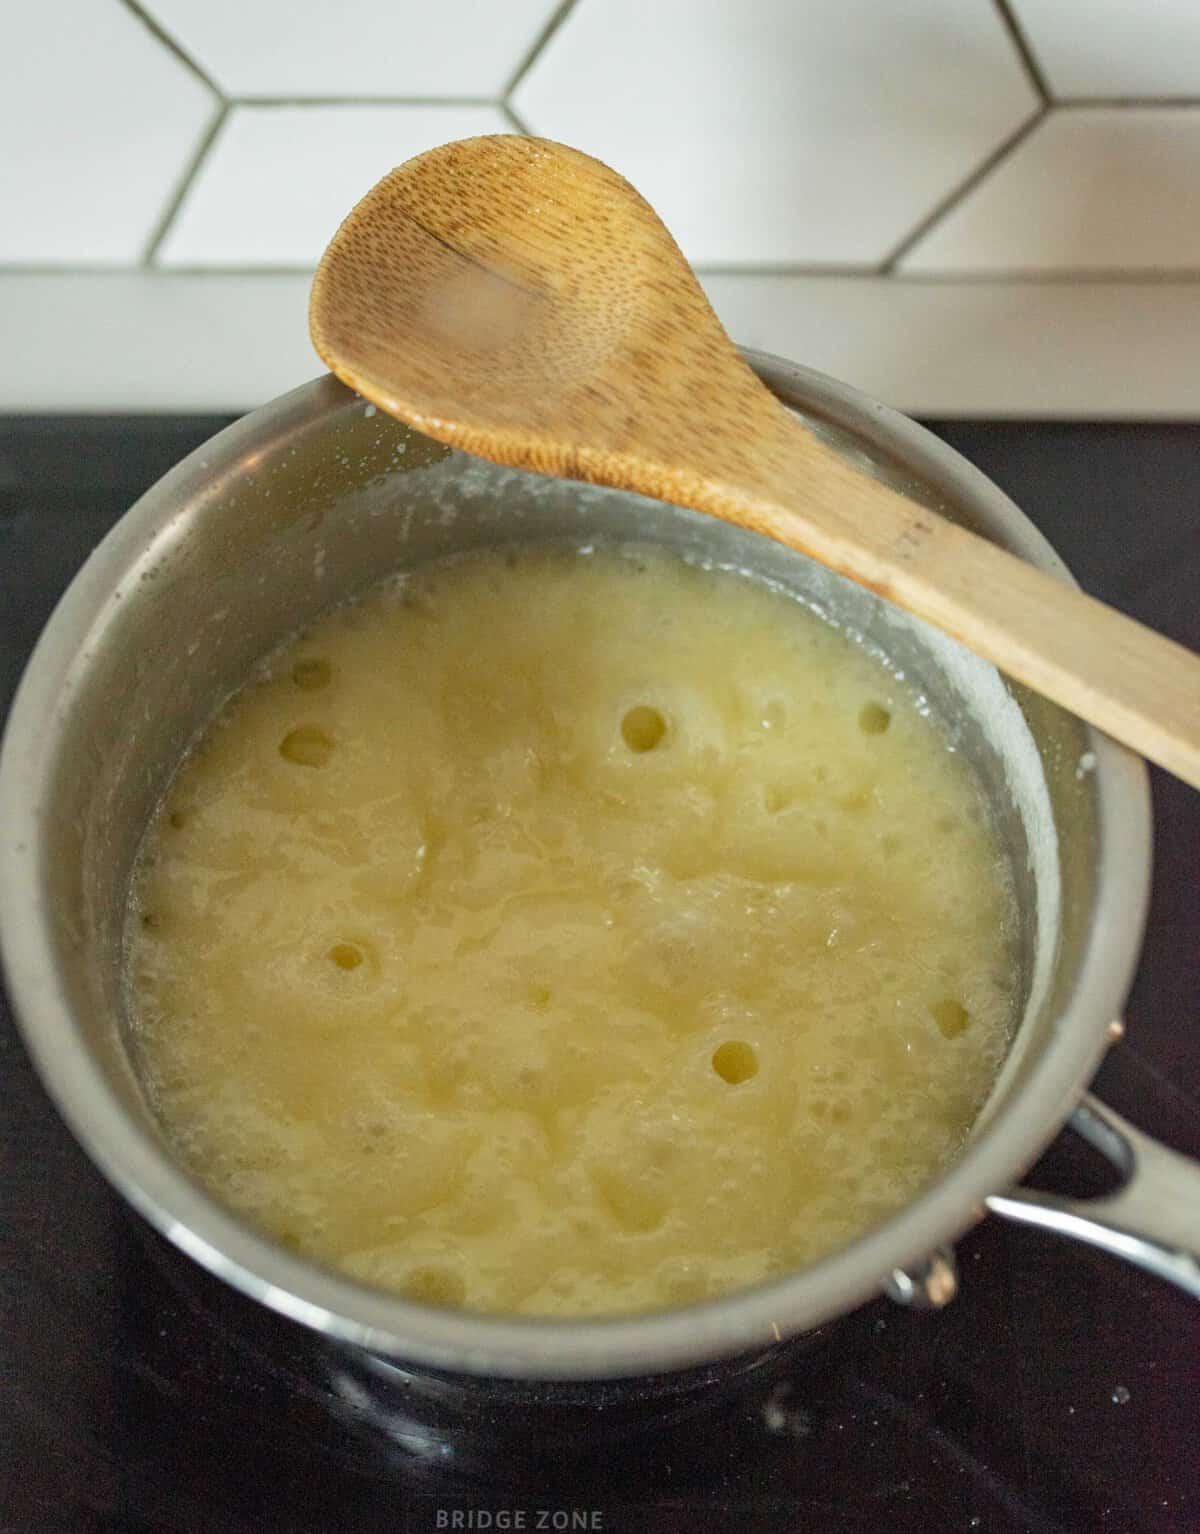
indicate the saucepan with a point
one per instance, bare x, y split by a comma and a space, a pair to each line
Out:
311, 499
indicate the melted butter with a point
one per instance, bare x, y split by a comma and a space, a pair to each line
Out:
569, 935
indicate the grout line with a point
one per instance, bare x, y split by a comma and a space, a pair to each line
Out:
786, 269
1025, 50
1127, 103
1084, 276
363, 101
161, 35
190, 269
142, 273
1124, 277
1144, 276
962, 191
516, 121
553, 22
184, 184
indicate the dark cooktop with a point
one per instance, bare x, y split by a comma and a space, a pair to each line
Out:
1057, 1393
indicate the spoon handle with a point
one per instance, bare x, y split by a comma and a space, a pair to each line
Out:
1134, 684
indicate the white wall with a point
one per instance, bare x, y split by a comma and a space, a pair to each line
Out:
963, 206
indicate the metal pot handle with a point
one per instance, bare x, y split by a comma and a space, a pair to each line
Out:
1152, 1220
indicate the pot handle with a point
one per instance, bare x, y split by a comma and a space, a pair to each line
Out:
1152, 1220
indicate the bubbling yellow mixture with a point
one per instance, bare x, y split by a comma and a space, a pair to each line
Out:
570, 933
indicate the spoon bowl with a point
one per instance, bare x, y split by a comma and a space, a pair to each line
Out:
566, 337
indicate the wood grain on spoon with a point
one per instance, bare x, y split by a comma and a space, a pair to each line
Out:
520, 300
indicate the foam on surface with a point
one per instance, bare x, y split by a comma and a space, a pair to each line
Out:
572, 934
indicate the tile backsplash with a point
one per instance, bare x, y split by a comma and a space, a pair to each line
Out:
905, 192
817, 133
277, 180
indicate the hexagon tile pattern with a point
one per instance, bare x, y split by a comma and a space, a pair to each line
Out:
818, 133
99, 122
1115, 48
278, 180
351, 48
1089, 190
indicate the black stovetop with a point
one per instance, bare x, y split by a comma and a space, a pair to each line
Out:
1057, 1393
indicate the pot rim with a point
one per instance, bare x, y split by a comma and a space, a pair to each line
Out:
546, 1349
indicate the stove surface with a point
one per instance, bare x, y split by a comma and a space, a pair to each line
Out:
1057, 1393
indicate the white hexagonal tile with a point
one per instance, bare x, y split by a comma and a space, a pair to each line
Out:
781, 132
356, 47
1115, 47
1090, 189
278, 180
99, 121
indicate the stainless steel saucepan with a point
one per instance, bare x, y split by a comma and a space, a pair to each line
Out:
312, 498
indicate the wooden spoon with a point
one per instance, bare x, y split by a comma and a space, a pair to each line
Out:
520, 300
